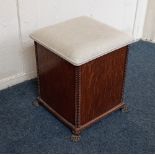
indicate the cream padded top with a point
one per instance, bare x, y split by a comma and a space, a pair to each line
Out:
81, 39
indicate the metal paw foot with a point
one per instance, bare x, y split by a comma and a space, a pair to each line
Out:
75, 138
35, 103
125, 108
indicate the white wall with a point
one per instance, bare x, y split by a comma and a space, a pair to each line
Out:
18, 18
149, 27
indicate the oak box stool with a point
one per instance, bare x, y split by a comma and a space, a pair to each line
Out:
81, 67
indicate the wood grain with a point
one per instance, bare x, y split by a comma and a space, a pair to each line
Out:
102, 84
81, 95
57, 83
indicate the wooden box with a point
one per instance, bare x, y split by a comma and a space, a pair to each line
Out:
81, 95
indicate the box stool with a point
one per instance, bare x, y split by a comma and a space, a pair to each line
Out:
81, 67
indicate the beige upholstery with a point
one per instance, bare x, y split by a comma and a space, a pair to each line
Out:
81, 39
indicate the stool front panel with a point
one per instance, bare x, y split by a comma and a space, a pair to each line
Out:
102, 83
57, 83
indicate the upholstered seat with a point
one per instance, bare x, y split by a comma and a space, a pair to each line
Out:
81, 40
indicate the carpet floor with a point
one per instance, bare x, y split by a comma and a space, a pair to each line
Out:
25, 128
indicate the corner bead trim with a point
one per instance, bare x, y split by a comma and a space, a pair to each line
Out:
77, 95
37, 66
125, 68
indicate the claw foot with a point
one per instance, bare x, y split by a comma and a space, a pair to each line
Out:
125, 108
75, 138
35, 103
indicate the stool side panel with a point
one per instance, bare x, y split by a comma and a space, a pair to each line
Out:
102, 82
57, 83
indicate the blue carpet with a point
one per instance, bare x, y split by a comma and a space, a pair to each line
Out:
25, 128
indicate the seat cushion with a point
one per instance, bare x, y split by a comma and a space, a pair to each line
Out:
81, 39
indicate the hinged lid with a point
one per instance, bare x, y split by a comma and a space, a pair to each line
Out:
81, 40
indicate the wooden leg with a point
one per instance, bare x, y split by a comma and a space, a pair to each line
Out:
35, 103
75, 137
124, 108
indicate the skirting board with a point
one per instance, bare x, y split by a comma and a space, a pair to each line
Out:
16, 79
148, 40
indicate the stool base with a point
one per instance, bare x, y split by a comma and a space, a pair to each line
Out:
76, 131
